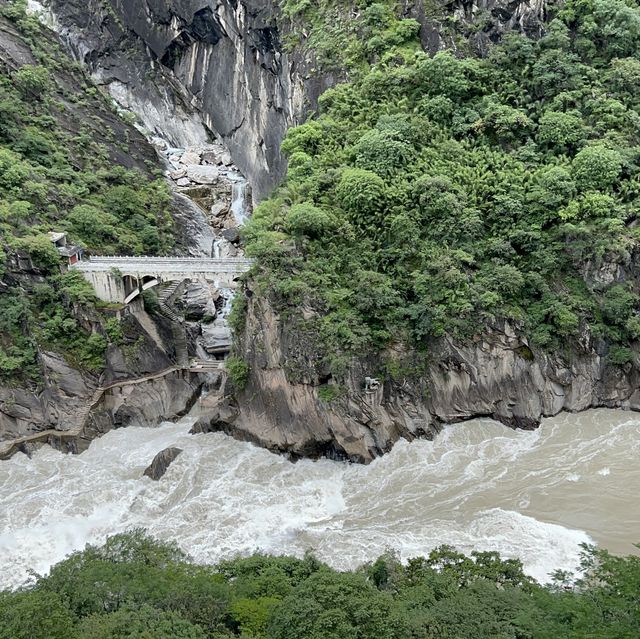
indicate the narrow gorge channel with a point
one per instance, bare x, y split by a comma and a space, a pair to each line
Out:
446, 437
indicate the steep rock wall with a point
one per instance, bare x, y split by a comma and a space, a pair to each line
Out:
496, 374
145, 402
183, 62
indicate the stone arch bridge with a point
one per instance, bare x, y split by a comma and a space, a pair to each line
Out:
121, 279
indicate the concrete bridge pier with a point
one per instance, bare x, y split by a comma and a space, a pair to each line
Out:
107, 287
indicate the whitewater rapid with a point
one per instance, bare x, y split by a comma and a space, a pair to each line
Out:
533, 495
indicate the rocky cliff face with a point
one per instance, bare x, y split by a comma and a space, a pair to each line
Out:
180, 64
477, 23
183, 63
497, 374
191, 67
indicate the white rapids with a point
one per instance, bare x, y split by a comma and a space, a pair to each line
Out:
533, 495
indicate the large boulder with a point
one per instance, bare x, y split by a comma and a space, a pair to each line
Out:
216, 337
161, 463
231, 235
199, 300
203, 174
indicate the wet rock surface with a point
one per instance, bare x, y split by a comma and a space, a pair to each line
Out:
497, 374
185, 63
161, 463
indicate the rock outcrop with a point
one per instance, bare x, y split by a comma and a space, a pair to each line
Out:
161, 463
480, 22
292, 405
191, 67
147, 401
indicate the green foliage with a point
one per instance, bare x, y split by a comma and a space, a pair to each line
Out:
620, 355
238, 314
338, 41
238, 371
141, 622
136, 588
596, 167
362, 194
114, 331
32, 82
41, 251
329, 392
307, 219
59, 172
35, 615
434, 194
336, 606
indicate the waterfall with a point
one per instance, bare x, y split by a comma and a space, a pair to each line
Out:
227, 295
239, 199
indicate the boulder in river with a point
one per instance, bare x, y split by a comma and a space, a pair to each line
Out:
161, 463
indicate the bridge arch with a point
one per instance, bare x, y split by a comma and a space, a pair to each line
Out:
144, 284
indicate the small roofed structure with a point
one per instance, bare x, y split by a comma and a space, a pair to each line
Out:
73, 254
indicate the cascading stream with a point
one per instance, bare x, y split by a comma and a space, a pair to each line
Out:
534, 495
239, 199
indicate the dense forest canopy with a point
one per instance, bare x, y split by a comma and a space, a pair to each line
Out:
136, 588
436, 194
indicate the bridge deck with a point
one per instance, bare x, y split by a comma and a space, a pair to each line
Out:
164, 265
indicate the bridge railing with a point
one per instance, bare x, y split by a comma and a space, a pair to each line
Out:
172, 260
169, 264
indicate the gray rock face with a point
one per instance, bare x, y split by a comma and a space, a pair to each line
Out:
142, 402
57, 405
161, 463
179, 63
496, 17
221, 63
496, 375
197, 235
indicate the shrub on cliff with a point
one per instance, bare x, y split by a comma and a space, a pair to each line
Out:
238, 371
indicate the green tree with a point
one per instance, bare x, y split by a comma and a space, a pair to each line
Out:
336, 606
35, 615
310, 220
561, 131
596, 167
141, 622
32, 81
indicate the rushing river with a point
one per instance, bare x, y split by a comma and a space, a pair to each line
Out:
533, 495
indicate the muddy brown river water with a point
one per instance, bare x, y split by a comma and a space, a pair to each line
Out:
533, 495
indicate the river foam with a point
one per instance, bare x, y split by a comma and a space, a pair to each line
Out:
477, 486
